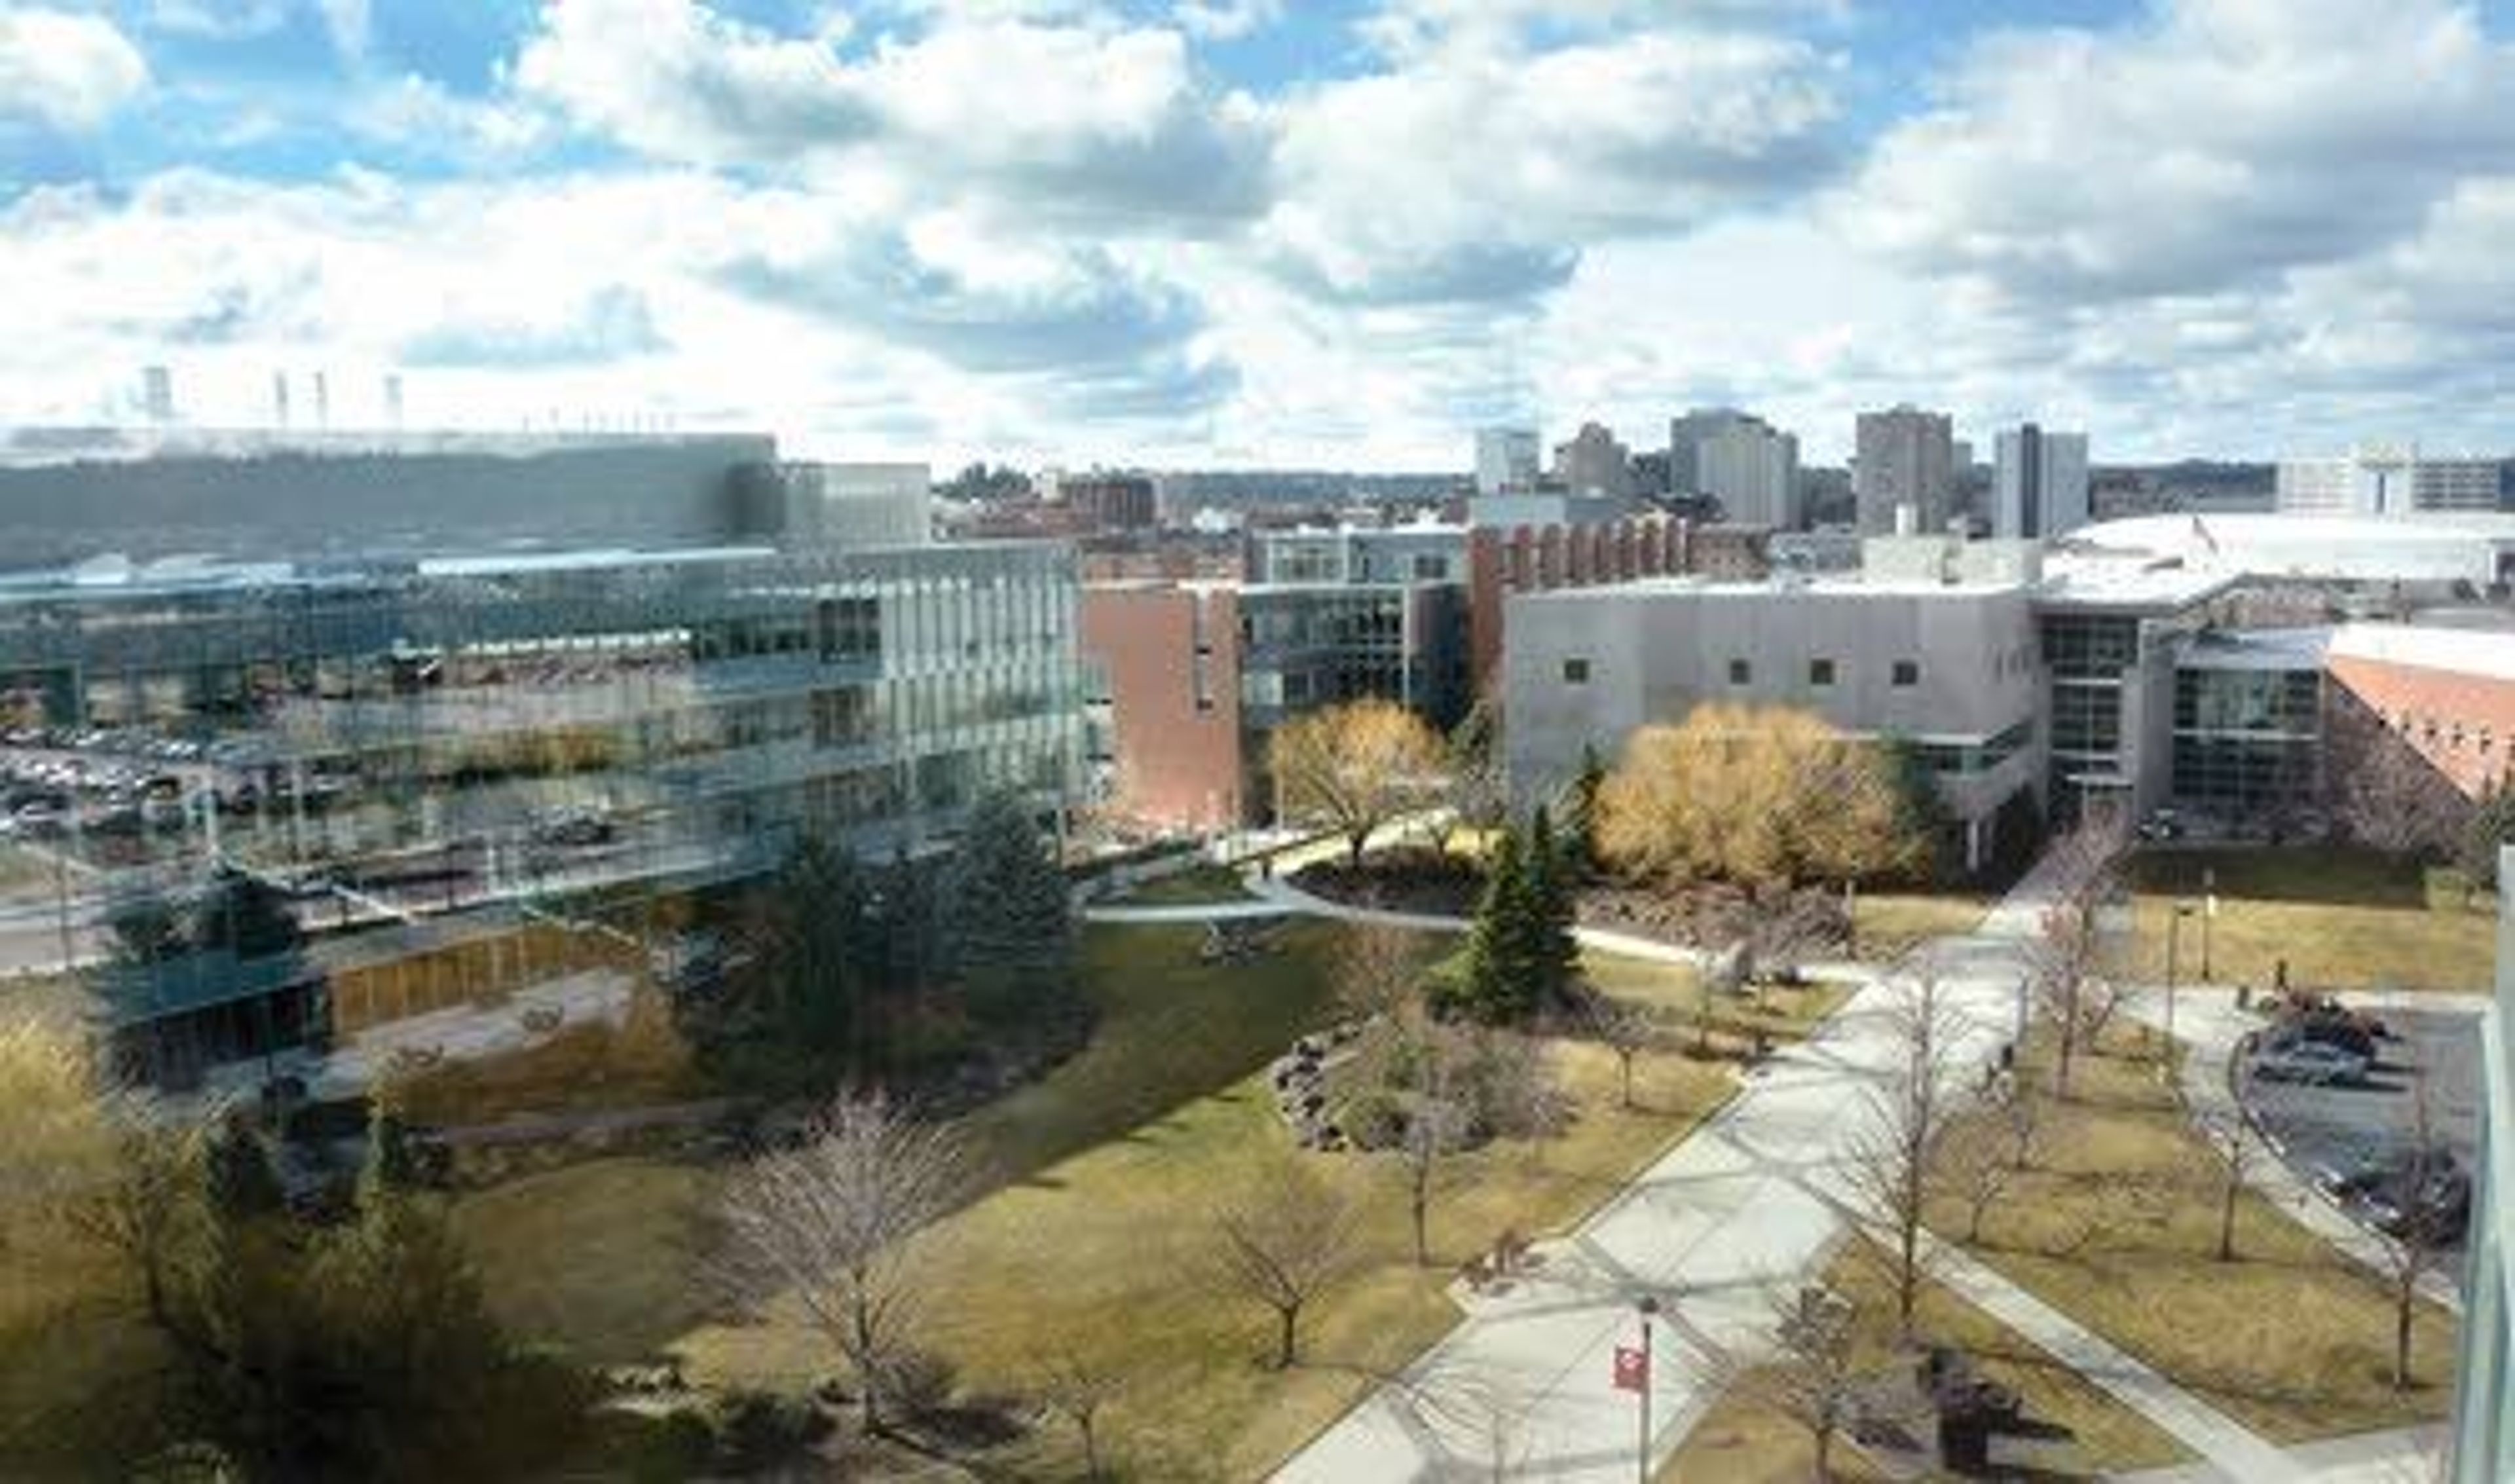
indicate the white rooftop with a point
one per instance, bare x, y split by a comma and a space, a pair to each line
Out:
2486, 652
2424, 548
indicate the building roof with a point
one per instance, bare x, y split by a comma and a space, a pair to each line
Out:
2437, 546
2463, 651
2127, 583
1838, 584
2271, 650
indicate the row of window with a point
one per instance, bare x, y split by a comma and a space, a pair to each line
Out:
1821, 673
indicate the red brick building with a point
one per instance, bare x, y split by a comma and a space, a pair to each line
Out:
2448, 694
1163, 698
1506, 560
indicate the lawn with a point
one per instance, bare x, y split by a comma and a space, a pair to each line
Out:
2116, 1225
1674, 990
1887, 924
1110, 1168
1743, 1439
2341, 918
1197, 886
1097, 1254
640, 1063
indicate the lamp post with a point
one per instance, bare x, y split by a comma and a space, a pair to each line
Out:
1648, 1307
2173, 937
2208, 914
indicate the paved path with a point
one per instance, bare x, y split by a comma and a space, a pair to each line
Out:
2207, 1020
1747, 1202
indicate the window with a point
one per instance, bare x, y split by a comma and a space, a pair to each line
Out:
1741, 673
1575, 672
1820, 672
1907, 674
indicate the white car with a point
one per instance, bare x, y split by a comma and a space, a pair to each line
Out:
2311, 1061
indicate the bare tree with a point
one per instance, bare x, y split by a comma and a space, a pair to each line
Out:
1625, 1030
1811, 1377
1437, 1125
2386, 794
833, 1222
2021, 1118
1886, 1174
1284, 1238
2423, 1231
1376, 973
1975, 1165
1079, 1387
147, 1210
2230, 1135
2069, 951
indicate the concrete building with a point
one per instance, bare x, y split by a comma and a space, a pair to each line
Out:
858, 506
1595, 463
2039, 483
1742, 461
1507, 459
1904, 458
2390, 480
1947, 665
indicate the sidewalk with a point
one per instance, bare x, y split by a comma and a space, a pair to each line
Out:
1741, 1205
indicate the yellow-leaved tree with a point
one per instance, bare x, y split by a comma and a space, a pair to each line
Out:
1354, 768
1763, 795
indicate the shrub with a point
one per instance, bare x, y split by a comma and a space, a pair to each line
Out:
756, 1431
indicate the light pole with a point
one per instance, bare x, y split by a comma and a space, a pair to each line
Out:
1648, 1306
2208, 914
2173, 937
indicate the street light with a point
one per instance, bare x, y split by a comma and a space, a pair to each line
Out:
1648, 1307
2173, 936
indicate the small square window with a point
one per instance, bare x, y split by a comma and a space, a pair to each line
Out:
1820, 672
1575, 672
1741, 673
1907, 673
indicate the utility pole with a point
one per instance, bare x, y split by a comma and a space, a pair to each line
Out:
1648, 1306
2208, 912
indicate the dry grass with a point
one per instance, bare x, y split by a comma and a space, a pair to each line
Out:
1197, 886
1110, 1166
2341, 918
1741, 1438
640, 1063
2118, 1225
1672, 992
1887, 924
1096, 1254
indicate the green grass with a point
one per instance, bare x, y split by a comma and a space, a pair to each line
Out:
2340, 918
1197, 886
2117, 1227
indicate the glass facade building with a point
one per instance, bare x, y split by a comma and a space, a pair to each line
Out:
2247, 740
423, 737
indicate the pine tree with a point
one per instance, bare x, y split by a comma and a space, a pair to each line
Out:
1502, 970
1549, 881
1012, 939
237, 1174
818, 947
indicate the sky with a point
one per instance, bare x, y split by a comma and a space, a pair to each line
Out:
1336, 233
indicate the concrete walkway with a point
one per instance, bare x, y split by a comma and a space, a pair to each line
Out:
2206, 1020
2401, 1456
1750, 1202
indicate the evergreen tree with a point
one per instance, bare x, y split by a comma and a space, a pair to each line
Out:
1581, 811
1500, 983
249, 915
1011, 940
819, 948
1550, 878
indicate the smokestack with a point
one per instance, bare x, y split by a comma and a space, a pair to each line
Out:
392, 401
157, 394
279, 399
322, 404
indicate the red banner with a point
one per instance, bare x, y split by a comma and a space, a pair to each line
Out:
1633, 1368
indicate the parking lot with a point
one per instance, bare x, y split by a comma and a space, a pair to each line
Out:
2328, 1131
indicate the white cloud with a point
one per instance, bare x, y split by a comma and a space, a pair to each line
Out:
1227, 20
1072, 119
1480, 171
2215, 144
68, 71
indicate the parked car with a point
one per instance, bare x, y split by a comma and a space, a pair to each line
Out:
2309, 1061
2164, 824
